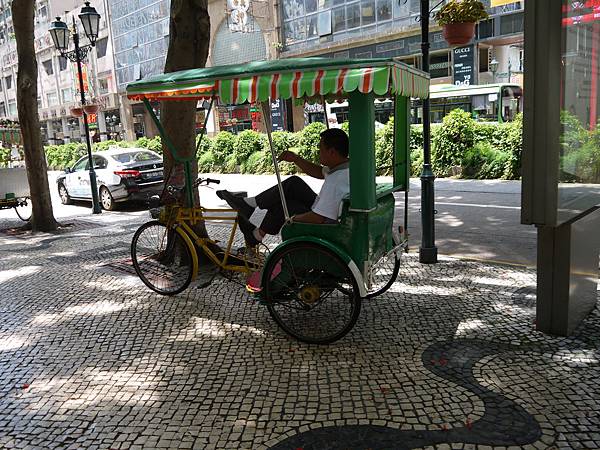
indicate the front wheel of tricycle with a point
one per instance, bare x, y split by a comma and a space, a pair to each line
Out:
23, 209
311, 292
162, 258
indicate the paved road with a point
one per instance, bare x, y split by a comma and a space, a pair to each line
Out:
476, 219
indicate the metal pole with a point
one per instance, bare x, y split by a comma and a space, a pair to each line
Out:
428, 250
93, 185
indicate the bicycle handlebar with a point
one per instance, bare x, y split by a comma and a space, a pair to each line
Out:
175, 189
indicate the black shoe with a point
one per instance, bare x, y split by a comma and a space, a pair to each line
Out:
248, 231
237, 203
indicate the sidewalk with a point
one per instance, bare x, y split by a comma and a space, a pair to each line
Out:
448, 358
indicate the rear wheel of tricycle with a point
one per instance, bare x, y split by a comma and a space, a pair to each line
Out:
311, 293
385, 271
162, 258
23, 209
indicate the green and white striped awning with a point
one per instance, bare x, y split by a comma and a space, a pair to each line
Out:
294, 78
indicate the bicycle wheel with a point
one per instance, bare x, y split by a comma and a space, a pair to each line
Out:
385, 271
162, 258
311, 293
23, 209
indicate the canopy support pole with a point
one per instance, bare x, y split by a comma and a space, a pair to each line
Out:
185, 161
266, 110
324, 105
203, 132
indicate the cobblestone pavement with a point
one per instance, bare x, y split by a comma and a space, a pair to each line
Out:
448, 358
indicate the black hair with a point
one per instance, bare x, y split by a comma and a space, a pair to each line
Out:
338, 139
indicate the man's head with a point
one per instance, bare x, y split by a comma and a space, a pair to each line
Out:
334, 147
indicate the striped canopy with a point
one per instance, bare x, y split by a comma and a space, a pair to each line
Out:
294, 78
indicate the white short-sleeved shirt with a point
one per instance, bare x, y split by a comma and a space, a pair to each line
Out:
334, 189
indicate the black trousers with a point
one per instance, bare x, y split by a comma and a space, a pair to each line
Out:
298, 195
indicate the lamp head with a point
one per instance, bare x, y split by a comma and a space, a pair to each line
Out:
494, 65
60, 35
90, 20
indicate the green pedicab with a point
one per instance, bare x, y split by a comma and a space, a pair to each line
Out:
314, 281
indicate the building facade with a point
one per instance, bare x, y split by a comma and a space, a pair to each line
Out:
57, 79
241, 31
390, 28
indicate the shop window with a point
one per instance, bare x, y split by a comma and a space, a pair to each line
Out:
367, 11
48, 67
353, 16
101, 45
62, 63
439, 65
339, 19
384, 10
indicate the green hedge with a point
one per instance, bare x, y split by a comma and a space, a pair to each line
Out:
460, 146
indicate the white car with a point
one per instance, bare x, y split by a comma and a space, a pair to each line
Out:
121, 174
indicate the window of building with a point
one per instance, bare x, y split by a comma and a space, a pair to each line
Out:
2, 110
48, 67
312, 28
101, 45
484, 60
339, 19
353, 16
52, 98
384, 10
62, 63
8, 81
66, 95
103, 85
439, 65
367, 11
12, 108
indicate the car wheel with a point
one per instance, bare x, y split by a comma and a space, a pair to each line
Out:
65, 199
106, 199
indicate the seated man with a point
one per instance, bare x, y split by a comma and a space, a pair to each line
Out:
304, 205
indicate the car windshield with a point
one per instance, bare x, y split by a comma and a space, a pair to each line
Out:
135, 156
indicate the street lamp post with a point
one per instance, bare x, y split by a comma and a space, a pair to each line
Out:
428, 250
59, 31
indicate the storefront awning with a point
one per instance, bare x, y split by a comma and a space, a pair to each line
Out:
292, 78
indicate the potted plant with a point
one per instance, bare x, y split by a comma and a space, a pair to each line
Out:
458, 17
76, 111
91, 108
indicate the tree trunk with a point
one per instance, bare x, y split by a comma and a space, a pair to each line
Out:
42, 218
189, 40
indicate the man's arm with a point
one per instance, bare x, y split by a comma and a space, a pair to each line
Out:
309, 217
309, 168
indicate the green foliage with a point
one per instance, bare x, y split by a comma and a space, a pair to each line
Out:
483, 161
4, 157
384, 145
510, 142
283, 140
254, 163
205, 145
416, 162
308, 144
452, 140
222, 146
461, 11
580, 159
59, 157
207, 162
105, 145
247, 142
346, 127
154, 144
231, 164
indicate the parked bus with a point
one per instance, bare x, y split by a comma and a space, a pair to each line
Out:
485, 102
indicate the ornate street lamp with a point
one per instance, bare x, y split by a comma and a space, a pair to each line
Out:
60, 32
493, 68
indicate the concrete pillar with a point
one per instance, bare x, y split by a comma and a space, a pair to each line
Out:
102, 125
65, 129
126, 113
